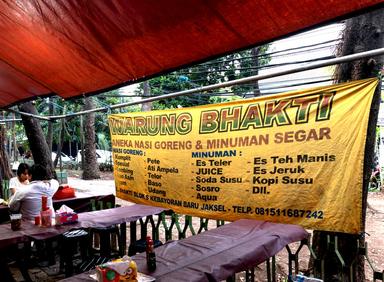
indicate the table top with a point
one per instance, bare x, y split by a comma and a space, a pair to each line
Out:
82, 195
221, 252
78, 195
101, 218
80, 203
216, 254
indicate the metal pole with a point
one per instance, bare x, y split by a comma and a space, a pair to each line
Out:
344, 59
10, 120
81, 142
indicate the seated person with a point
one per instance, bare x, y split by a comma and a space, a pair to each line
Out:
21, 179
28, 199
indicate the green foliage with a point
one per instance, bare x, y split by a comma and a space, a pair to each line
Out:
72, 129
60, 106
103, 141
170, 84
220, 99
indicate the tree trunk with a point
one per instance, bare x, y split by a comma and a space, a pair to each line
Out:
5, 170
37, 143
90, 166
145, 107
361, 33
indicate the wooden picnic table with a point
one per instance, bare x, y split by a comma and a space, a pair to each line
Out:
216, 254
94, 219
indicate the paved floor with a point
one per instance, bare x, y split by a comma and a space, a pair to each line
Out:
39, 274
97, 186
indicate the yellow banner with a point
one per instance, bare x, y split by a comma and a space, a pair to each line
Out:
295, 157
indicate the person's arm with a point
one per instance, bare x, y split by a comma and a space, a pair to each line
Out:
13, 191
12, 186
15, 200
54, 184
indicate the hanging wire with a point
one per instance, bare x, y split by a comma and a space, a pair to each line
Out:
348, 58
248, 70
280, 53
264, 66
262, 87
176, 75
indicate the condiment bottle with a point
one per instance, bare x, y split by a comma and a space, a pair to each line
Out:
151, 256
147, 239
45, 213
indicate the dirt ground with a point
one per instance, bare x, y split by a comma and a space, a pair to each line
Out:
375, 232
374, 238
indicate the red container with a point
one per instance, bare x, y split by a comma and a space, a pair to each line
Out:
37, 220
44, 203
66, 218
